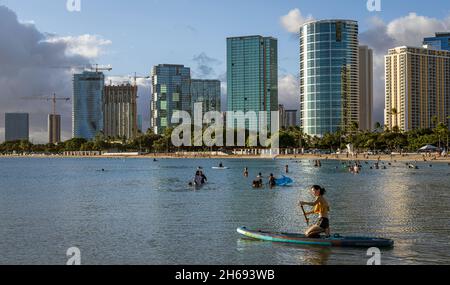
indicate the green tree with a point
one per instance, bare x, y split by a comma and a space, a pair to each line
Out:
74, 144
378, 127
165, 142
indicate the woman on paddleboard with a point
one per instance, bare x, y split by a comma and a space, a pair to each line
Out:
321, 208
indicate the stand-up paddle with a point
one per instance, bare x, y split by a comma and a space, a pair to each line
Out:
304, 214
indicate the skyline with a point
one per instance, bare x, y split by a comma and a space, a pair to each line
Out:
107, 41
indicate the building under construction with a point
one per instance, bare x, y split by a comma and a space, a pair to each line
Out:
54, 128
120, 111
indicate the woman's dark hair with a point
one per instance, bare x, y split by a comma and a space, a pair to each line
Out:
319, 188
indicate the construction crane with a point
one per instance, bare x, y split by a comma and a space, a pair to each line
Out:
131, 77
53, 99
136, 77
92, 67
97, 67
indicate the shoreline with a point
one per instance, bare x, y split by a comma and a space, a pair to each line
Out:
413, 158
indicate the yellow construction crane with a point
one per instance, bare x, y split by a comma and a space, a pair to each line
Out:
53, 99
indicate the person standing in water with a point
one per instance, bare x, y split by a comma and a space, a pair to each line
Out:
321, 208
246, 172
198, 179
272, 182
204, 178
287, 169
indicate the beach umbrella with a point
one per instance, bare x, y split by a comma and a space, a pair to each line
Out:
429, 147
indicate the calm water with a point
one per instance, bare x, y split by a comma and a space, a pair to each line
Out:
142, 212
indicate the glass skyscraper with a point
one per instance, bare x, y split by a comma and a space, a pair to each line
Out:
171, 93
87, 114
252, 75
206, 92
329, 80
440, 42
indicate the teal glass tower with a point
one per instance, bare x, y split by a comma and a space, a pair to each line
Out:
252, 76
440, 42
87, 108
171, 93
329, 76
206, 92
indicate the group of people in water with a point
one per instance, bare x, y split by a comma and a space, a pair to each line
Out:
259, 183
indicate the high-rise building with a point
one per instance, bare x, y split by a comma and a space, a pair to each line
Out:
329, 76
87, 114
282, 116
252, 76
417, 88
17, 127
139, 122
54, 128
206, 92
120, 111
291, 118
171, 93
365, 88
440, 42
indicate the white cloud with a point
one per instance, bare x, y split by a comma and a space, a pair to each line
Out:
288, 92
88, 46
29, 56
294, 20
411, 30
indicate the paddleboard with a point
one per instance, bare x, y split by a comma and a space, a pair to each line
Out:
333, 241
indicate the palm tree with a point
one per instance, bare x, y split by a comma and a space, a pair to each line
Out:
378, 127
395, 113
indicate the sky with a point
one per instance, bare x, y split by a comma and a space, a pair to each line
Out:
134, 35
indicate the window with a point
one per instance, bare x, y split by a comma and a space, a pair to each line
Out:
163, 122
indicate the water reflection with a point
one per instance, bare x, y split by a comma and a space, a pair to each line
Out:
144, 212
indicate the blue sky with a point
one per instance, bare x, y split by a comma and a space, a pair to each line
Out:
135, 35
145, 33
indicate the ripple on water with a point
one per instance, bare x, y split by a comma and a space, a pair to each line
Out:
141, 212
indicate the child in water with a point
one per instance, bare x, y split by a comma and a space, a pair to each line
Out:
321, 208
272, 181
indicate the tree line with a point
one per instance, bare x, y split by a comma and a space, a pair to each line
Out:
292, 137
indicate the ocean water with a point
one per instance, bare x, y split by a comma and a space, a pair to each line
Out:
142, 212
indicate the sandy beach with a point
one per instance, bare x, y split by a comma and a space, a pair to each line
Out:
341, 157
